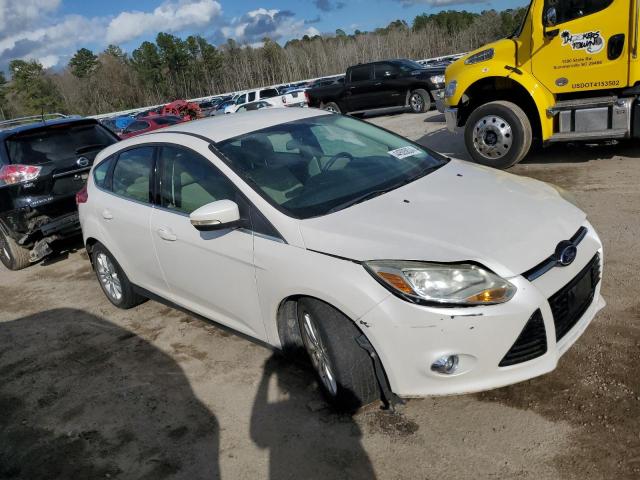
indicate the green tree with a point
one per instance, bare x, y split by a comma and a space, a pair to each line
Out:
3, 95
83, 63
340, 33
148, 65
35, 91
115, 51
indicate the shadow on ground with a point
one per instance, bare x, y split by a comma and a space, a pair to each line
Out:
452, 144
83, 398
302, 444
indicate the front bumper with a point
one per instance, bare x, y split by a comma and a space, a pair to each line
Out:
438, 97
409, 338
451, 116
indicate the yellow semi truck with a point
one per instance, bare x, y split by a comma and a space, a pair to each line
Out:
570, 73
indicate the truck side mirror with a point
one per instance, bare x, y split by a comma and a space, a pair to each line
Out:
551, 17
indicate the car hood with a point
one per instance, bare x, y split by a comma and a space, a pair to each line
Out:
461, 212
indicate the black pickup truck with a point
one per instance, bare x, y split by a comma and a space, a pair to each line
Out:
401, 84
44, 162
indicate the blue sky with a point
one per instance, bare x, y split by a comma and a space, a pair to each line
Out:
52, 30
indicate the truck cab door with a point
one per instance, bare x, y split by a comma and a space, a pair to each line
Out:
360, 88
581, 45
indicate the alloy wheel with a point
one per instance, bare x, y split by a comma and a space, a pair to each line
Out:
108, 276
492, 137
318, 353
331, 109
417, 102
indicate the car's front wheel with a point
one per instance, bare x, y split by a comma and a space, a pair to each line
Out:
12, 255
113, 281
419, 101
498, 134
345, 370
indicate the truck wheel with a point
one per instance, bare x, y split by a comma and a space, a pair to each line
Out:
498, 134
113, 281
345, 369
420, 101
13, 256
331, 107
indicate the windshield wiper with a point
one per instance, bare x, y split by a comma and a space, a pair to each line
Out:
382, 191
361, 199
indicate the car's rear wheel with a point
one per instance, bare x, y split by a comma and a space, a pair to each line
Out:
345, 370
420, 101
331, 107
12, 255
113, 281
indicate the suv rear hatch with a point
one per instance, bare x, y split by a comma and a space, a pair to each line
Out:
64, 153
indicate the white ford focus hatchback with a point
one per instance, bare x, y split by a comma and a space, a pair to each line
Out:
399, 271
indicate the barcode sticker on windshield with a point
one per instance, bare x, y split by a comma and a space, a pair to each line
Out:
405, 152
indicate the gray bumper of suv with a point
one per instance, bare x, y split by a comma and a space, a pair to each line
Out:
451, 116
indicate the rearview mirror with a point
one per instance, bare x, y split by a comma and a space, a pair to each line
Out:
551, 17
216, 216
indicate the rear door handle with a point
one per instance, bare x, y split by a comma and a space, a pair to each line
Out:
166, 234
107, 215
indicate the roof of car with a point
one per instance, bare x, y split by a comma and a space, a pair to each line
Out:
37, 125
224, 127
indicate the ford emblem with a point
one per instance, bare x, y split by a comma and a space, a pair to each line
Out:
82, 162
566, 253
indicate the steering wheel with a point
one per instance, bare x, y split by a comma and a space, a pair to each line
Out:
333, 160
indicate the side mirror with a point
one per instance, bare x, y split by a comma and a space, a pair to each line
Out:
551, 17
216, 216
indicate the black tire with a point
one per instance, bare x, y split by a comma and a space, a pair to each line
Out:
485, 130
12, 255
419, 101
355, 380
127, 297
331, 107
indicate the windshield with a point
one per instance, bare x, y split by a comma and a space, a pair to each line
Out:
319, 165
57, 142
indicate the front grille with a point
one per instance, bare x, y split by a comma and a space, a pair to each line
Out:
572, 301
532, 342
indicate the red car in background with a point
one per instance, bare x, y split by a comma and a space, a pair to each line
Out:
148, 124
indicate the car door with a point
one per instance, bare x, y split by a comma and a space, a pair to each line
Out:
387, 86
585, 45
360, 88
210, 273
122, 205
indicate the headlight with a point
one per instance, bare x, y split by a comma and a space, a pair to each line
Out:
451, 89
441, 284
437, 79
566, 195
482, 56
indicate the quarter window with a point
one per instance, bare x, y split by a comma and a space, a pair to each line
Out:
568, 10
189, 181
132, 173
100, 173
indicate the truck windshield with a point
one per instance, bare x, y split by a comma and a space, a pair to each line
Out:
518, 30
58, 142
316, 166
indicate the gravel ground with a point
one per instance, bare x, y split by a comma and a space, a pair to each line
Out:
88, 391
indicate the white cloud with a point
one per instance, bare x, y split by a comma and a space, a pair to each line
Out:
255, 25
441, 3
16, 15
168, 17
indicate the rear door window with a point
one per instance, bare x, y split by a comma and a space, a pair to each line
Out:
58, 142
361, 74
132, 174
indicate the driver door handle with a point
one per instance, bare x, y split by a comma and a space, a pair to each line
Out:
165, 233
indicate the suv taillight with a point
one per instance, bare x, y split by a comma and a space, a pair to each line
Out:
12, 174
82, 196
306, 97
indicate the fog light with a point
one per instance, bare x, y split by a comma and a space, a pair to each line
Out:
446, 365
